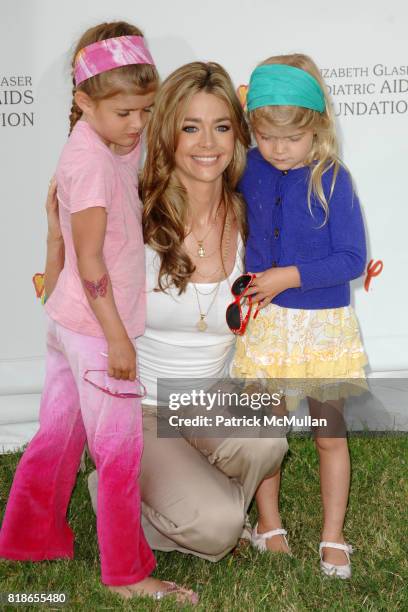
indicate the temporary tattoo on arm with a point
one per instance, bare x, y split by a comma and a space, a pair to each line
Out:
98, 288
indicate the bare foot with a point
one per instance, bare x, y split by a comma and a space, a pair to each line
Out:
157, 589
275, 543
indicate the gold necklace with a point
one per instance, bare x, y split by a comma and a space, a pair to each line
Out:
201, 325
205, 256
206, 292
201, 252
225, 250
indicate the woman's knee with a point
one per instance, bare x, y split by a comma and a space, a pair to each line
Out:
207, 521
266, 454
218, 527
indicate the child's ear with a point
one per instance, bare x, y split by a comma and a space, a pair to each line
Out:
85, 103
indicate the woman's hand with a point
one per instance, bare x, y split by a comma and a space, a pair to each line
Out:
51, 207
122, 359
55, 243
271, 282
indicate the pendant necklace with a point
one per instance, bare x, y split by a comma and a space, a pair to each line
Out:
224, 251
201, 252
201, 325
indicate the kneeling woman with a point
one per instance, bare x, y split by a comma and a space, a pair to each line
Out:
195, 492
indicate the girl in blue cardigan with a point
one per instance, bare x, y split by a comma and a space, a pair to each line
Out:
306, 242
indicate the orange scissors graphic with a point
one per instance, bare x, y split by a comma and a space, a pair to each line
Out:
374, 268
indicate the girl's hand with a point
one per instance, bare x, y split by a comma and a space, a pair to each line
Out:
271, 283
51, 207
122, 359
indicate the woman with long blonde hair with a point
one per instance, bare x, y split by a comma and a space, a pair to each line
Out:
194, 168
195, 492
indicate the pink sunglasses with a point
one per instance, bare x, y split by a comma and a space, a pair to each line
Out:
134, 388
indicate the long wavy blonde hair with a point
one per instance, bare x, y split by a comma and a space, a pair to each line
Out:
136, 78
324, 153
165, 200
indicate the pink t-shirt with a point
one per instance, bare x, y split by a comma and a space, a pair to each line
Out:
90, 174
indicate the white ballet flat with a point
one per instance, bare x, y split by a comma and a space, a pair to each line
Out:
337, 571
258, 540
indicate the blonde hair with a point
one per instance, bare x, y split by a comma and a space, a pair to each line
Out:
137, 78
324, 153
165, 201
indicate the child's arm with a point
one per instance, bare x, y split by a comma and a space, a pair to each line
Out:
347, 240
88, 231
55, 243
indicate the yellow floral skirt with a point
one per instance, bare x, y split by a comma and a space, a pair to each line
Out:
303, 353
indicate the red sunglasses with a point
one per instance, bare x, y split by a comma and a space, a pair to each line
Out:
237, 321
128, 388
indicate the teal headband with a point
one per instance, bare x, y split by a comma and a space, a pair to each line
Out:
283, 85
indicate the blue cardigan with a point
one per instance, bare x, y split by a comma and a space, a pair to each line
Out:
282, 232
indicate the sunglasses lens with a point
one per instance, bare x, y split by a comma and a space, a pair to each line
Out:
232, 316
116, 388
240, 284
124, 388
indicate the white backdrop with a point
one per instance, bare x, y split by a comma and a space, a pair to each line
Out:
361, 49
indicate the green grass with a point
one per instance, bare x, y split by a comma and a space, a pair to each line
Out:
376, 525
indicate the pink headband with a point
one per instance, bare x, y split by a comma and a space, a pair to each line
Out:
110, 53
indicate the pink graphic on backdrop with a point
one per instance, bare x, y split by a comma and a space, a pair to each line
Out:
242, 92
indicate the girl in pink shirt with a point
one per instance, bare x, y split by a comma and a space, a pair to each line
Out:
96, 311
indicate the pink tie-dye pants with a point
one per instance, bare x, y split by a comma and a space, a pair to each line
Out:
73, 411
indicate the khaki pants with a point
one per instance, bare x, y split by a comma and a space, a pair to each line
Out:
195, 496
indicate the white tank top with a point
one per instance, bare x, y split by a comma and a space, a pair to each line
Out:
172, 346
